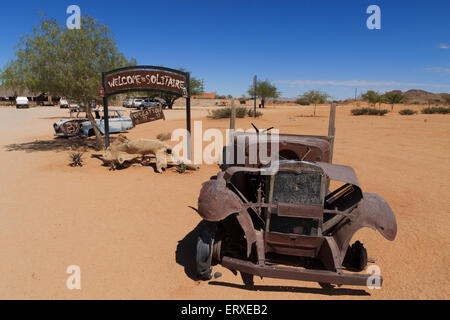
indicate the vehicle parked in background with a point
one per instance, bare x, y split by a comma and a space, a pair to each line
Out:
149, 102
160, 101
137, 102
63, 103
22, 102
79, 125
127, 103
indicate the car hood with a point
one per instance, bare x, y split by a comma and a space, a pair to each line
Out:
64, 120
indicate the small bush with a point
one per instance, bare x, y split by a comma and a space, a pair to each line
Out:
251, 113
440, 110
164, 136
181, 168
369, 111
76, 159
223, 113
407, 112
302, 102
359, 112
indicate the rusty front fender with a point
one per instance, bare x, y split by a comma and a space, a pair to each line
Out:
216, 202
372, 212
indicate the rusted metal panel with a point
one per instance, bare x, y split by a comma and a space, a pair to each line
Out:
296, 274
148, 115
293, 244
146, 79
372, 212
340, 173
300, 210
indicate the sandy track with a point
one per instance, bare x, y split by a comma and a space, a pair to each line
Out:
132, 231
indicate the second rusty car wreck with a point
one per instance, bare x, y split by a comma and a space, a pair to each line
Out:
287, 224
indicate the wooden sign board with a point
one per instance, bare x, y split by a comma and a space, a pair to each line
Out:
147, 115
146, 79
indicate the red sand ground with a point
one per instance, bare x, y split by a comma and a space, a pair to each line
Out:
130, 230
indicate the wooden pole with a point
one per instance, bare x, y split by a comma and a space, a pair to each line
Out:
332, 129
233, 116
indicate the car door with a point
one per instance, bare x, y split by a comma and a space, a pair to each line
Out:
115, 124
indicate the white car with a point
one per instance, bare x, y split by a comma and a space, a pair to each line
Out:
63, 103
137, 102
22, 102
127, 103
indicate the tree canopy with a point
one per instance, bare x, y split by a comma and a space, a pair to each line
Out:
264, 89
314, 97
394, 97
65, 63
372, 97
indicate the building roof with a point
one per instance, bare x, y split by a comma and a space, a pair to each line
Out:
206, 95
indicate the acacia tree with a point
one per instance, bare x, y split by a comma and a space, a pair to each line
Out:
65, 63
446, 98
394, 97
264, 90
315, 97
372, 97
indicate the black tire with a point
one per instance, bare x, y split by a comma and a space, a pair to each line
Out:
91, 133
356, 257
247, 279
204, 252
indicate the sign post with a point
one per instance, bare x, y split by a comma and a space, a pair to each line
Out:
255, 83
147, 78
105, 111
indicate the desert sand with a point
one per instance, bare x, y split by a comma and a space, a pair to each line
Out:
132, 231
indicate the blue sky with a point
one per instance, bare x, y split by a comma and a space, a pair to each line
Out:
298, 45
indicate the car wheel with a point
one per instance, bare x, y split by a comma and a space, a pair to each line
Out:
91, 133
204, 252
356, 257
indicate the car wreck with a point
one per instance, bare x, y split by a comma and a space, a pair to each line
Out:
294, 221
79, 124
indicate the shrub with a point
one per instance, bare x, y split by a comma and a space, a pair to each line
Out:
302, 101
164, 136
76, 159
407, 112
431, 110
369, 111
223, 113
359, 112
251, 113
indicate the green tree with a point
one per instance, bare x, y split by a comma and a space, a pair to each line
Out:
372, 97
65, 63
446, 98
264, 90
314, 97
394, 97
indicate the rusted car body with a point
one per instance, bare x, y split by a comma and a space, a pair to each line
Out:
287, 223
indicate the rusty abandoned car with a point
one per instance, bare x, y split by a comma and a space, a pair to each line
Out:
288, 224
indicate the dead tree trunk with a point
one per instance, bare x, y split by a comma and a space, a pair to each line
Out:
98, 135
